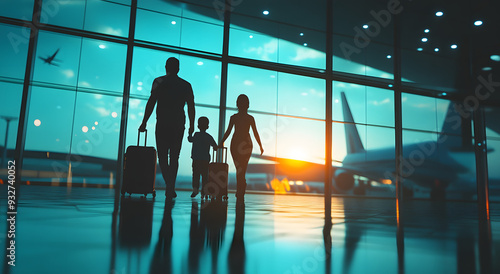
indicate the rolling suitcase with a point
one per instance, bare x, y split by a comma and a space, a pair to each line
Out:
216, 187
139, 170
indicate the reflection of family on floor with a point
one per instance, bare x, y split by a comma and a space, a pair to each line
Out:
170, 93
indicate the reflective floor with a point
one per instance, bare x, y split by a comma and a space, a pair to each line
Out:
74, 230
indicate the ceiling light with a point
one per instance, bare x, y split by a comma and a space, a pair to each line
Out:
305, 44
389, 56
426, 30
251, 36
439, 13
173, 22
301, 34
478, 23
495, 58
420, 49
101, 46
365, 26
200, 63
436, 49
486, 69
425, 39
266, 12
453, 46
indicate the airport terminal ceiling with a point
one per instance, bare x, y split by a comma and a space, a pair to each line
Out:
463, 31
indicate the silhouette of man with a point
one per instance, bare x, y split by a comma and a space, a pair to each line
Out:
171, 93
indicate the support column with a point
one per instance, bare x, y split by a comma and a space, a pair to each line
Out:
398, 119
25, 100
398, 124
328, 114
483, 203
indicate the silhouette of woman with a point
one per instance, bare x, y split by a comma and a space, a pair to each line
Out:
241, 143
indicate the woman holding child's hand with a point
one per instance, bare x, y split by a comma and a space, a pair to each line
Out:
241, 143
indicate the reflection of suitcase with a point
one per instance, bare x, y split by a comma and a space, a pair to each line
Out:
216, 187
139, 170
136, 222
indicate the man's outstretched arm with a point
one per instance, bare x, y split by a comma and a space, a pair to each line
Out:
191, 114
150, 106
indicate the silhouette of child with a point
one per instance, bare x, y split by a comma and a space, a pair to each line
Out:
200, 154
241, 143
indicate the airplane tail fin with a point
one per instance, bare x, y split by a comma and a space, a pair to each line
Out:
352, 139
456, 133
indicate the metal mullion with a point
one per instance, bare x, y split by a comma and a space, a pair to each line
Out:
26, 96
329, 113
125, 102
224, 69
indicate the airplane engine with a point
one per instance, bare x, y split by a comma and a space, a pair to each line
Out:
344, 181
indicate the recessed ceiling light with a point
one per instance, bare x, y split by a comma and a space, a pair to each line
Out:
251, 36
390, 85
486, 69
444, 94
420, 49
453, 46
436, 49
101, 46
439, 13
425, 39
200, 63
426, 30
365, 26
301, 34
305, 44
389, 56
173, 22
266, 12
478, 23
495, 58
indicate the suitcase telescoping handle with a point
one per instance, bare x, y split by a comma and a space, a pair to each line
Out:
215, 155
139, 137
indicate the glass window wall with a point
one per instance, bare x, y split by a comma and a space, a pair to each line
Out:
77, 86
